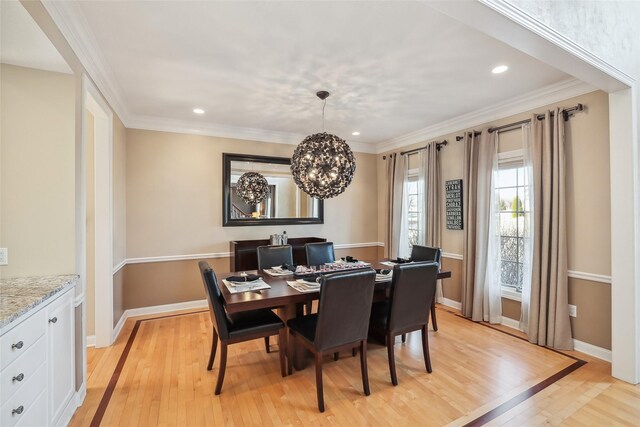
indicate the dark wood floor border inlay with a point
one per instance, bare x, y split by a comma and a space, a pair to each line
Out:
515, 401
481, 420
106, 397
530, 392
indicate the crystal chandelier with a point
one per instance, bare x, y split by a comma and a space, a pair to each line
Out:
252, 188
323, 164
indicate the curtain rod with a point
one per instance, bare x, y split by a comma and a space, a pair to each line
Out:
566, 113
475, 133
415, 150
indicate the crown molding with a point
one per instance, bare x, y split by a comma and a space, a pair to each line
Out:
74, 27
539, 28
248, 134
538, 98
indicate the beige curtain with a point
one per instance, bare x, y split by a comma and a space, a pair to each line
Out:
431, 167
469, 196
396, 171
430, 176
548, 305
480, 288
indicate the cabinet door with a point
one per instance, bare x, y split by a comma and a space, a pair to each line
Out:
60, 355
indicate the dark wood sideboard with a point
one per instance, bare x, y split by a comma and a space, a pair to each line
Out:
244, 255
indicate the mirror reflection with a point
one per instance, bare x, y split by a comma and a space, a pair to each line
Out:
284, 203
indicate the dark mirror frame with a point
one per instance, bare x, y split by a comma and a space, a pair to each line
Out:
227, 221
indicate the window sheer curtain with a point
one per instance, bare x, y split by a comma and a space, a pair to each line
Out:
481, 298
548, 315
396, 176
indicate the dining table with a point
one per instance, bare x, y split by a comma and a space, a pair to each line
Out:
289, 302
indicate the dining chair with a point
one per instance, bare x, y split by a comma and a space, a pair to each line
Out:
341, 323
231, 328
319, 253
427, 253
271, 256
275, 255
413, 287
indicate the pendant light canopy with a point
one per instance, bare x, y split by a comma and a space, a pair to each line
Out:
252, 188
323, 164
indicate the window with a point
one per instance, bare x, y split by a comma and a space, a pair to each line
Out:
413, 209
512, 194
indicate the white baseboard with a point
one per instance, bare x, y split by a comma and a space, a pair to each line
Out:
145, 311
91, 341
451, 303
581, 346
592, 350
157, 309
510, 323
118, 328
81, 394
68, 411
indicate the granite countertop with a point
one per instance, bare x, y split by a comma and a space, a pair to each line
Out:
21, 294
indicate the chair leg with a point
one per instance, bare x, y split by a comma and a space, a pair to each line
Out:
434, 321
425, 348
354, 351
266, 344
336, 356
392, 361
222, 368
282, 349
363, 367
214, 346
404, 338
319, 389
308, 307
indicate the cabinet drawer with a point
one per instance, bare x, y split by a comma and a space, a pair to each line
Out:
16, 342
24, 401
21, 370
37, 414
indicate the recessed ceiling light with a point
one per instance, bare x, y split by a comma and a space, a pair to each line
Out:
500, 69
198, 110
356, 133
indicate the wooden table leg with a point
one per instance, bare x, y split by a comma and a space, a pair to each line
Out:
300, 353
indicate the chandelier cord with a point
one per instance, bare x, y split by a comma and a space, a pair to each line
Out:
324, 104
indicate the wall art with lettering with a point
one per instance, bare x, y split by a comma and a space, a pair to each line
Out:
453, 191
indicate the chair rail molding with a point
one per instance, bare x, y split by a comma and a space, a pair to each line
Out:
165, 258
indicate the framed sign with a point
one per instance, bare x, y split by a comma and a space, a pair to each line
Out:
453, 190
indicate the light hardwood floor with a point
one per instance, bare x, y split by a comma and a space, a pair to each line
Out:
164, 382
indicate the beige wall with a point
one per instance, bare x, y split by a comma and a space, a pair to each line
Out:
37, 171
174, 196
158, 283
119, 214
588, 212
119, 166
174, 207
118, 296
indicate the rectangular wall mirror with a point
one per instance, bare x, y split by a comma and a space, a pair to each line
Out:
285, 204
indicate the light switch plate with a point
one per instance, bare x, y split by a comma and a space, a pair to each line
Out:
573, 311
4, 256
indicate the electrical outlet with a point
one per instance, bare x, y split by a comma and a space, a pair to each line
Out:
4, 256
573, 311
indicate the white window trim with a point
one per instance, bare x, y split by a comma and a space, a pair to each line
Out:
508, 292
507, 157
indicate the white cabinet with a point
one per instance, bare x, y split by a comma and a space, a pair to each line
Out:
60, 354
37, 366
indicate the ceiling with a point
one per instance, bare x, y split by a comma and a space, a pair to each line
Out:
392, 68
23, 43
